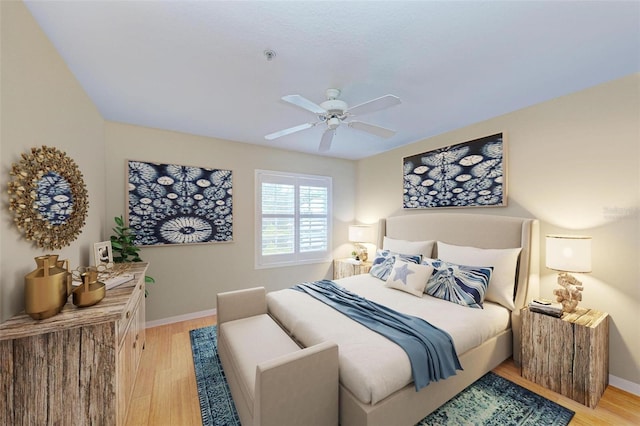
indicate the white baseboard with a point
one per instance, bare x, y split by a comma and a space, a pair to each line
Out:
178, 318
625, 385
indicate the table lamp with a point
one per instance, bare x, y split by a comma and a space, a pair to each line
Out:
359, 234
568, 253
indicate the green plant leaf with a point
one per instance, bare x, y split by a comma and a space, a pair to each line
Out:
124, 249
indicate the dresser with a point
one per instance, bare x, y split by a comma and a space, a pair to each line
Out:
77, 367
568, 355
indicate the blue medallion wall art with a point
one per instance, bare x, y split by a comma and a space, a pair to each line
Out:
468, 174
172, 204
54, 199
48, 197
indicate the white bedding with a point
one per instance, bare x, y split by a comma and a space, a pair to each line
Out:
371, 366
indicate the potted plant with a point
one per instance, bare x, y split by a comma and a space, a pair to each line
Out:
123, 248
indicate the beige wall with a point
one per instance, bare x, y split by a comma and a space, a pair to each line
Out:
42, 104
573, 163
189, 276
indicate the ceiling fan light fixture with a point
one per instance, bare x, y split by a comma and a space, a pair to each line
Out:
333, 122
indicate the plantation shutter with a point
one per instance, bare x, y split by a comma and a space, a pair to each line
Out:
293, 218
278, 219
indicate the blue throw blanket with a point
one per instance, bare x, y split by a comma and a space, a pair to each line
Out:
430, 349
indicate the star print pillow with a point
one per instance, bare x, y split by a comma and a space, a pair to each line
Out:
384, 261
409, 277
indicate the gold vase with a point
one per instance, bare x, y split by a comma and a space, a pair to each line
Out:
91, 291
47, 287
64, 264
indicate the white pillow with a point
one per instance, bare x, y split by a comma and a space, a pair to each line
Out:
504, 262
409, 277
425, 248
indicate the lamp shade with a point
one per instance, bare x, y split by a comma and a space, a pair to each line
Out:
360, 233
568, 253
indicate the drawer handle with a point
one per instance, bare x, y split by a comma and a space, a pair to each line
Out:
128, 314
134, 344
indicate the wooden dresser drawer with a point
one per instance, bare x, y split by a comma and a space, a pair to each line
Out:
130, 308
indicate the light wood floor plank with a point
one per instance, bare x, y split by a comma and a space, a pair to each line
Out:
165, 392
139, 411
163, 400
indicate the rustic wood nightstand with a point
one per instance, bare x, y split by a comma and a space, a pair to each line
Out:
345, 268
568, 355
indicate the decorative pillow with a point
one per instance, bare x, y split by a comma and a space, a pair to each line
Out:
464, 285
384, 260
409, 277
504, 262
424, 248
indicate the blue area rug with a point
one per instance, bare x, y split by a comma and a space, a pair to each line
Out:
491, 400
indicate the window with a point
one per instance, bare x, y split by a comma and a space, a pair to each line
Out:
293, 219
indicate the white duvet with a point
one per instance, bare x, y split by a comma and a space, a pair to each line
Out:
371, 366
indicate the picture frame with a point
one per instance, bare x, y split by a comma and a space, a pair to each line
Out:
467, 174
103, 254
172, 204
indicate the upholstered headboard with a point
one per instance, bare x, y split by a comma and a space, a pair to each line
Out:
483, 231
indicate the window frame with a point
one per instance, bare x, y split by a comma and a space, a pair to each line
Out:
297, 257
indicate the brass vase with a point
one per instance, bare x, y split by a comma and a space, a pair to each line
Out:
91, 291
64, 264
47, 287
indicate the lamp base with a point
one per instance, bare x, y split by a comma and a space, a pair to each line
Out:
361, 252
570, 293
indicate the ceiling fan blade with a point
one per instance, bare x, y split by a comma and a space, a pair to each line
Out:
288, 131
305, 103
377, 104
383, 132
325, 142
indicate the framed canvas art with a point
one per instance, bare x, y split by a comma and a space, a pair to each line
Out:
468, 174
173, 204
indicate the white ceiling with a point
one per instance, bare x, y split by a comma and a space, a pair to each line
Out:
198, 66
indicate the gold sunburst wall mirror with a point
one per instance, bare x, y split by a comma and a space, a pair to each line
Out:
48, 197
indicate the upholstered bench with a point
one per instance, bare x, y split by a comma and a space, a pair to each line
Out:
273, 381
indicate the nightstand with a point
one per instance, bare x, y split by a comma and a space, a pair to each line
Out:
568, 355
344, 268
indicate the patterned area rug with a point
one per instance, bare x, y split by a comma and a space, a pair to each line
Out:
491, 400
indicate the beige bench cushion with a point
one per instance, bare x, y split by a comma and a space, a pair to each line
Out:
252, 341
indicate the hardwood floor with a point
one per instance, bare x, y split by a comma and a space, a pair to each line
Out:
616, 407
165, 390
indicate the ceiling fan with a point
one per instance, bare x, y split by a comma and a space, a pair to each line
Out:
333, 112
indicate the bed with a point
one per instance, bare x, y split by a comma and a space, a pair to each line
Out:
376, 387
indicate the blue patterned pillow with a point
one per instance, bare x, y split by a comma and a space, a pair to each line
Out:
464, 285
384, 260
